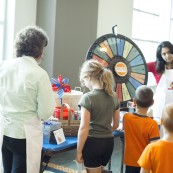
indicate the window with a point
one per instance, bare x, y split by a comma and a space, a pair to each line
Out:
171, 23
2, 27
7, 17
152, 24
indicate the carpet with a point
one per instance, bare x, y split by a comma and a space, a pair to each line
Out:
55, 168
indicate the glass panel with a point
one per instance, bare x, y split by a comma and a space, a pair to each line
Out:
136, 4
148, 49
151, 6
2, 8
145, 26
171, 33
1, 42
172, 9
149, 28
171, 24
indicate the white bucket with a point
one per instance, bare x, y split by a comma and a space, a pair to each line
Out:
71, 98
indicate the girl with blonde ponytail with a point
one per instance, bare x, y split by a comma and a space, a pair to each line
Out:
99, 117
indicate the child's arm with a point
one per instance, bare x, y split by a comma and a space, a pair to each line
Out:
82, 133
144, 170
116, 119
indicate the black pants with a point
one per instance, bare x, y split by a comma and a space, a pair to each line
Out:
14, 155
132, 169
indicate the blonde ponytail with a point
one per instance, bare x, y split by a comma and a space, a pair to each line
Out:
97, 71
108, 82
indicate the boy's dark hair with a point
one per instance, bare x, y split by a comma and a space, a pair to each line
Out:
167, 118
144, 96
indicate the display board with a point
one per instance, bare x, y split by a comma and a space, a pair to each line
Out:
127, 63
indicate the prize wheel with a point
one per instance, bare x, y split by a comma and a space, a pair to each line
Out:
127, 63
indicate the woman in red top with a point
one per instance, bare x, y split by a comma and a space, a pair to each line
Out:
164, 59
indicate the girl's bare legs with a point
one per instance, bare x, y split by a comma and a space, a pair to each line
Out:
94, 170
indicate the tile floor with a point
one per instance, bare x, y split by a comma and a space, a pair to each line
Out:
64, 161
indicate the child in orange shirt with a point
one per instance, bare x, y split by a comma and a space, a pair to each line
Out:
139, 129
158, 156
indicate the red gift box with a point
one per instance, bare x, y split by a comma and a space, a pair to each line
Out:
65, 112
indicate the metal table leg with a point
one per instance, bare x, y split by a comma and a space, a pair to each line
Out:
122, 156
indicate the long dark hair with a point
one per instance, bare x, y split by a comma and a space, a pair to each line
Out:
160, 62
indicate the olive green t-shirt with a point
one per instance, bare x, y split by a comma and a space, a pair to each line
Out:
102, 108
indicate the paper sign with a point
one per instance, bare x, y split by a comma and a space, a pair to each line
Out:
59, 136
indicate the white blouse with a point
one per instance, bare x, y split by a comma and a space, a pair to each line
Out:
25, 92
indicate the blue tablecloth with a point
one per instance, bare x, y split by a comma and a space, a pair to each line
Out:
70, 142
118, 133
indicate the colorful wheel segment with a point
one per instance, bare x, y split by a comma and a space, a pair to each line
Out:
127, 63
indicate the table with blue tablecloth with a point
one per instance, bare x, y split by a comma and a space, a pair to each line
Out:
48, 150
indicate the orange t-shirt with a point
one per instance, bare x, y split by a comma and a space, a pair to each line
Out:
158, 157
139, 131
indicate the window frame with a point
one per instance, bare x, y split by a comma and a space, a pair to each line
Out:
137, 7
4, 25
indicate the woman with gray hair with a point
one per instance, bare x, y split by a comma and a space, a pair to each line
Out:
26, 98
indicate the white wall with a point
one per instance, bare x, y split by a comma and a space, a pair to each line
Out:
47, 21
115, 12
72, 27
76, 30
